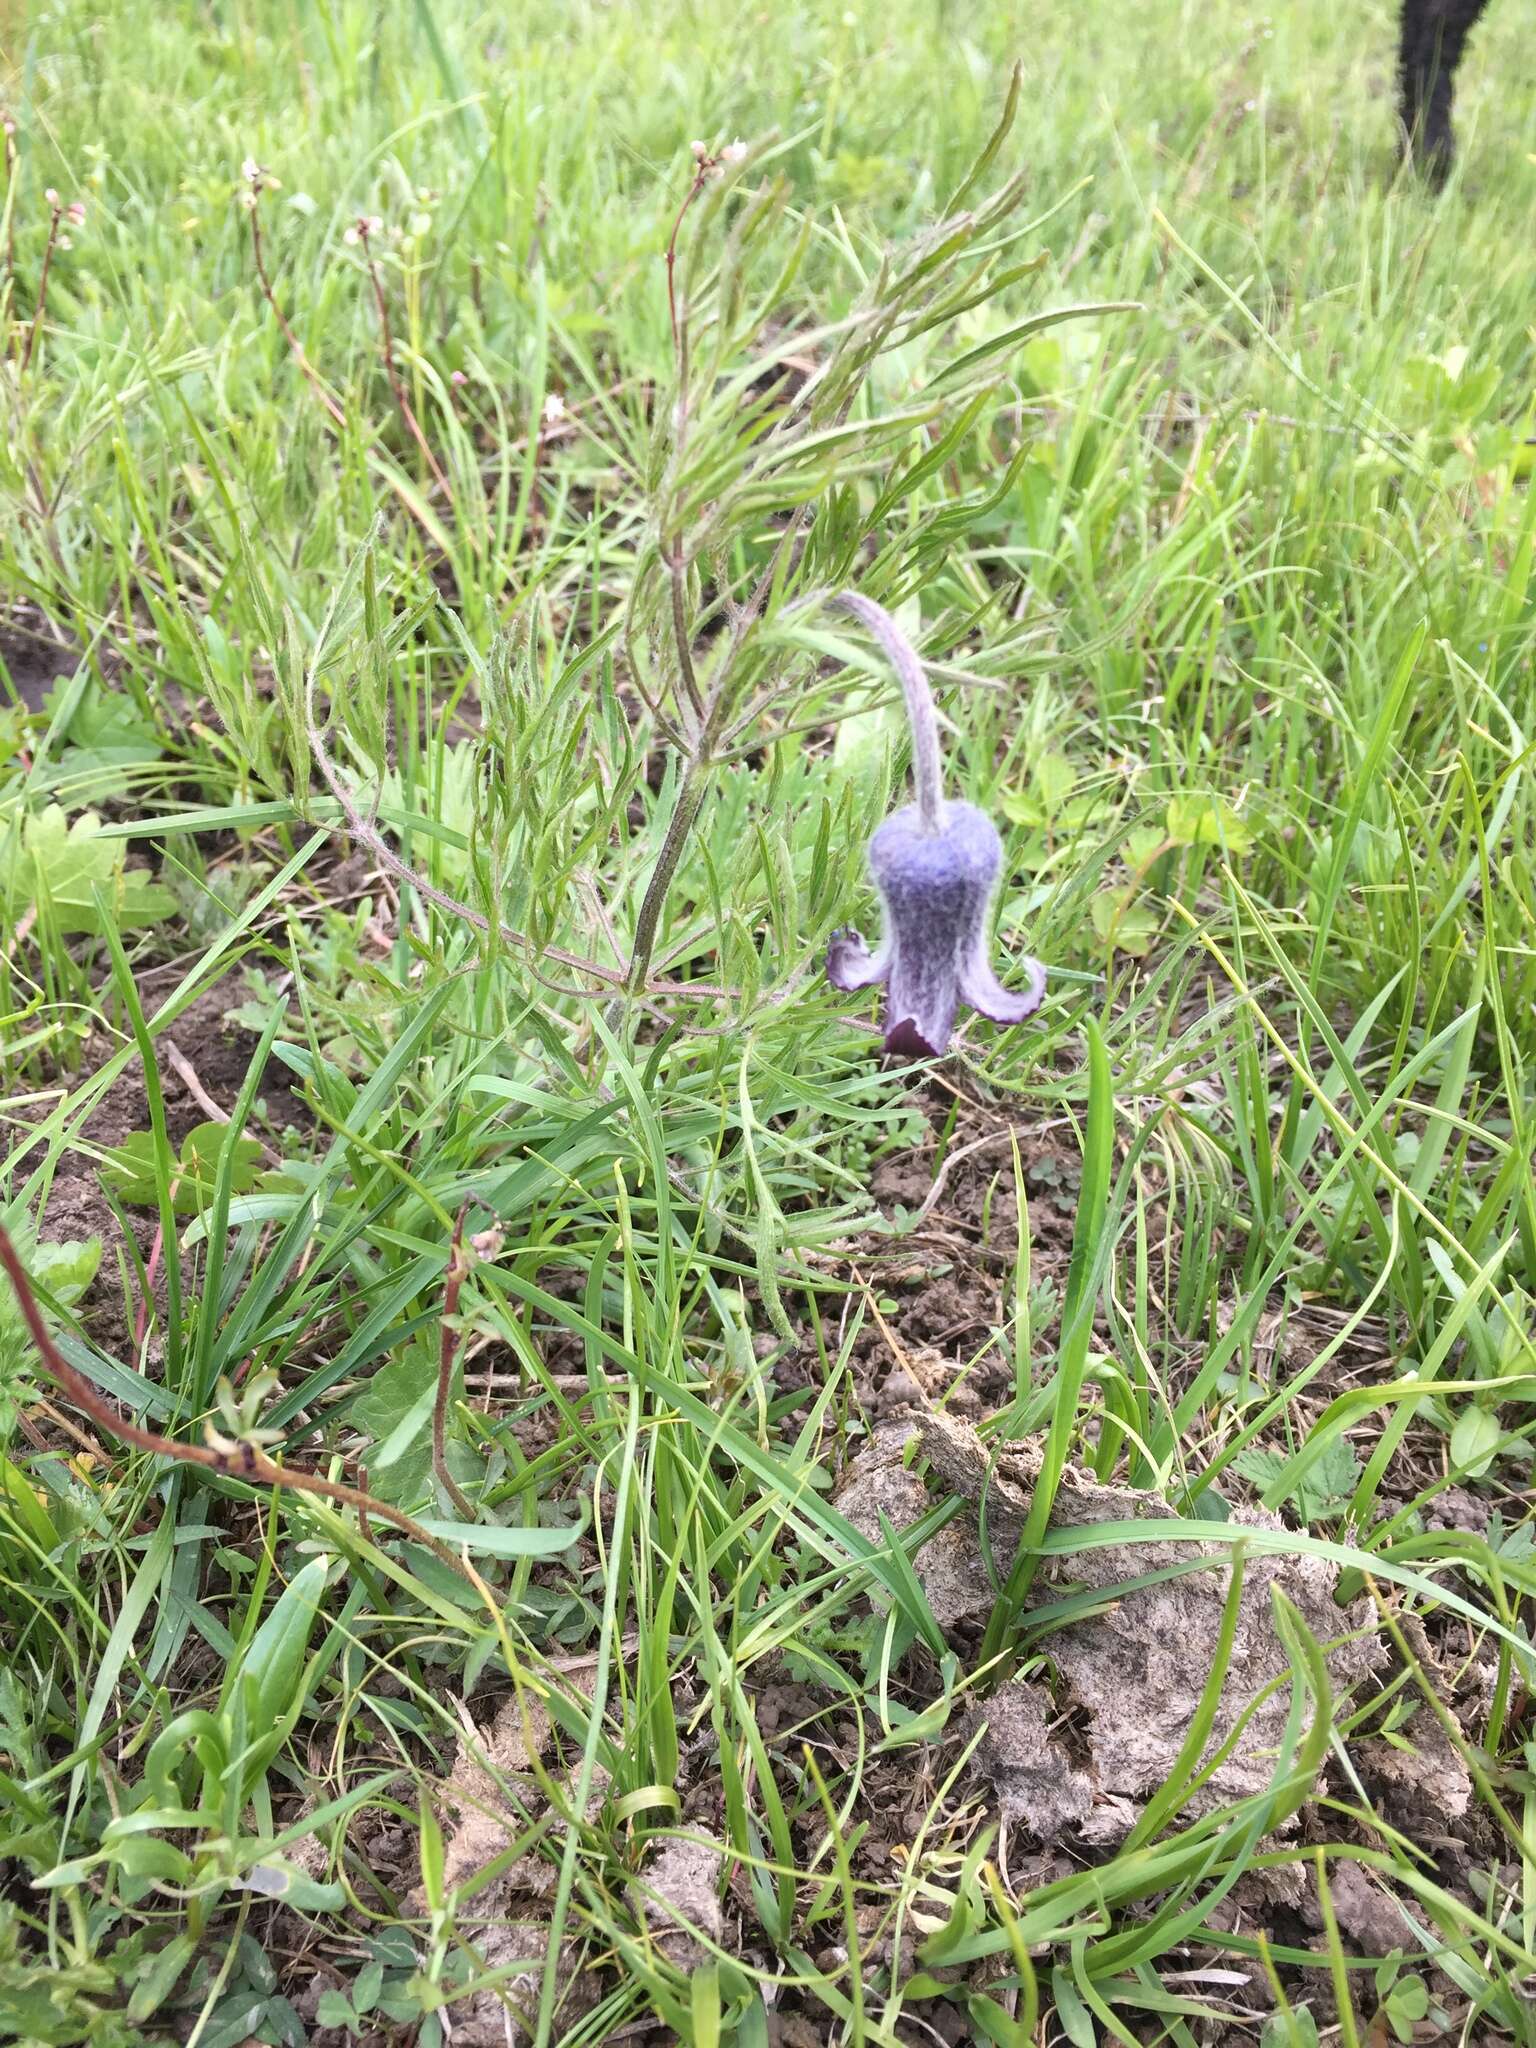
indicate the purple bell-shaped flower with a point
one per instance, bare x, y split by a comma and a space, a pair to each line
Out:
936, 866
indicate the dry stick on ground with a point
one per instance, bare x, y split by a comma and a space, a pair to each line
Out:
187, 1074
295, 346
364, 227
238, 1461
458, 1266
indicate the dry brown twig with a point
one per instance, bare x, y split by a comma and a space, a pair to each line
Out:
246, 1461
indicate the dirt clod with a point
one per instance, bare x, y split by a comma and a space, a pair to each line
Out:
1133, 1668
1036, 1781
679, 1896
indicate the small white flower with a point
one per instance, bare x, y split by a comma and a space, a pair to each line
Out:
51, 196
734, 152
700, 151
250, 168
554, 409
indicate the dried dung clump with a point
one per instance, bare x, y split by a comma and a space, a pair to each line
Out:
679, 1896
1132, 1672
492, 1796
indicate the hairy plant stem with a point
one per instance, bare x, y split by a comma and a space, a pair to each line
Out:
685, 812
42, 286
8, 270
922, 719
295, 346
705, 165
677, 570
396, 384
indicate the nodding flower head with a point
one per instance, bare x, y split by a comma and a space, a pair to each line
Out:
936, 866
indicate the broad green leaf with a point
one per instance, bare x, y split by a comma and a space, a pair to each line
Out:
133, 1168
1124, 927
60, 869
1207, 821
1473, 1442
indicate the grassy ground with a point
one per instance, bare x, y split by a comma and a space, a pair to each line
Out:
808, 1639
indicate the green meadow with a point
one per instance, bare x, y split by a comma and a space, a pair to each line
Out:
551, 1490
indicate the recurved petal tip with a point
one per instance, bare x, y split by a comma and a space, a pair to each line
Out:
980, 987
851, 965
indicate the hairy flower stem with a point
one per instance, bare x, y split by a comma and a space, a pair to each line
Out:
927, 759
295, 346
396, 383
8, 271
42, 286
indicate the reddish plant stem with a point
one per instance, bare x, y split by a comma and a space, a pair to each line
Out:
56, 214
706, 164
295, 346
458, 1266
12, 157
245, 1461
396, 384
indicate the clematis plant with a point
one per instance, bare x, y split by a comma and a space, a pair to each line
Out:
936, 864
